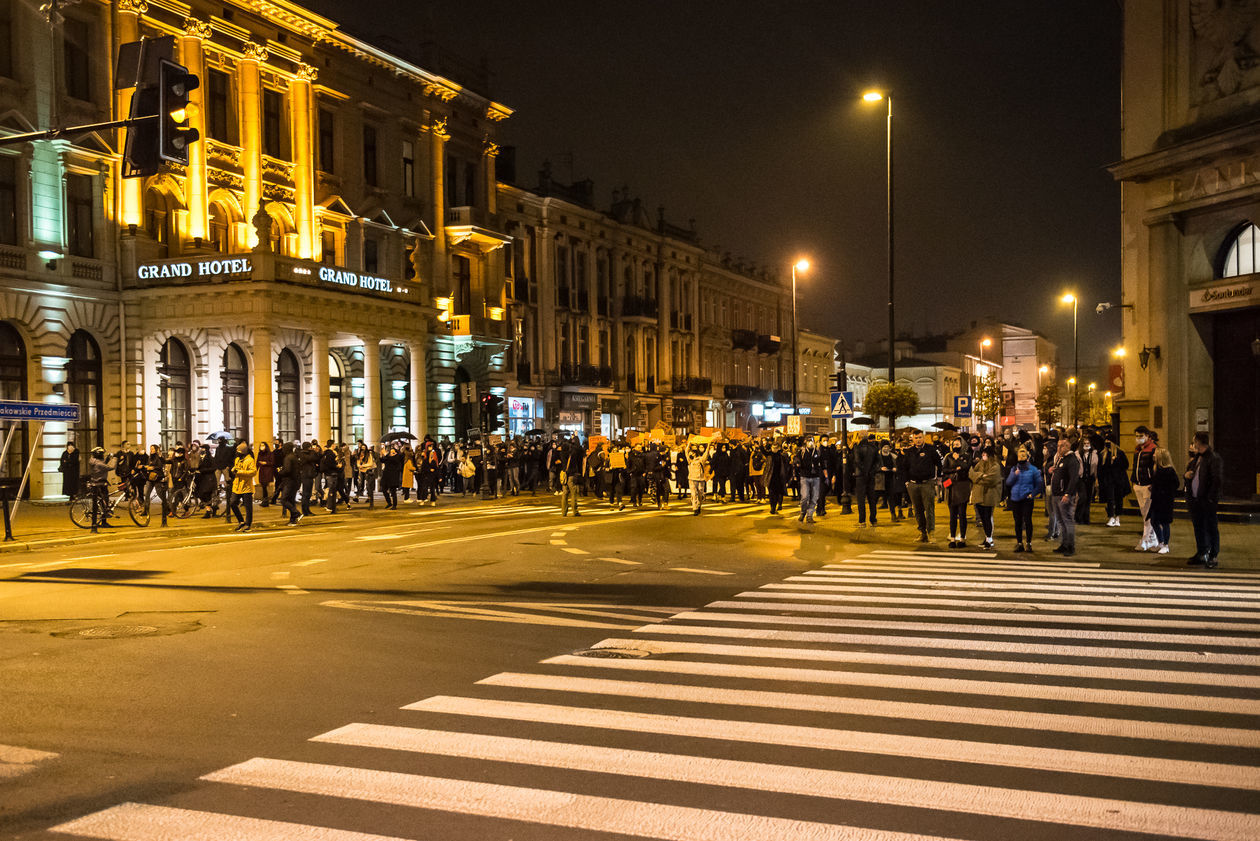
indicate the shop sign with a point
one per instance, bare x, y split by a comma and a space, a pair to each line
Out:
215, 267
572, 418
355, 280
1224, 297
578, 400
520, 407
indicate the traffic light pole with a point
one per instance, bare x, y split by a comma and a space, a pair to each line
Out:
846, 499
56, 133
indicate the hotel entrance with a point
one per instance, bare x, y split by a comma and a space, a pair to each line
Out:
1236, 377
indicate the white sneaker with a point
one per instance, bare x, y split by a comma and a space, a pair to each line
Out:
1163, 549
1141, 547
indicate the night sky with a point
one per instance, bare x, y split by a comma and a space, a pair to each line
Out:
746, 116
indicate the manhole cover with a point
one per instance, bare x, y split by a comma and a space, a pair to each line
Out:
108, 632
614, 653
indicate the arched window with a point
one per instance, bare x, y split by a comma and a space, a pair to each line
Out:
174, 403
288, 397
336, 381
220, 227
13, 387
83, 386
235, 393
1240, 259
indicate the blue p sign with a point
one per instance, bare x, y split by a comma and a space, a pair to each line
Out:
962, 406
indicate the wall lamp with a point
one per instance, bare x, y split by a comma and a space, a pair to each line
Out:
1255, 347
1144, 357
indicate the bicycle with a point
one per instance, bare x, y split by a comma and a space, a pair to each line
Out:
81, 506
183, 500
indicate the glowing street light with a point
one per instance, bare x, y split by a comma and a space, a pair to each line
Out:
801, 265
1120, 352
877, 96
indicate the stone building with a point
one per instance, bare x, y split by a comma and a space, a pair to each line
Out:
1190, 199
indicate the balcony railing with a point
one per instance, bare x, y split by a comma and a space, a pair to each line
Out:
749, 393
743, 339
587, 375
693, 385
634, 306
767, 344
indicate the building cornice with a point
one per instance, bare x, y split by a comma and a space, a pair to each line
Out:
1234, 142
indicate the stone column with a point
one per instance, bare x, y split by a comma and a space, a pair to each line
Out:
371, 389
302, 106
489, 151
419, 410
195, 180
249, 86
263, 426
319, 387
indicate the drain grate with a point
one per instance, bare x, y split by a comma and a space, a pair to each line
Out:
613, 653
110, 632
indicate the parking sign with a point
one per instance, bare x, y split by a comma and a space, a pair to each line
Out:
962, 406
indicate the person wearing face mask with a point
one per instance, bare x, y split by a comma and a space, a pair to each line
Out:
986, 477
1024, 482
812, 470
1089, 472
923, 466
1141, 478
957, 481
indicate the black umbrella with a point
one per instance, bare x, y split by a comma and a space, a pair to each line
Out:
946, 425
397, 436
536, 432
862, 421
222, 433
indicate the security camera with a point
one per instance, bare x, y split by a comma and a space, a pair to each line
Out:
1103, 307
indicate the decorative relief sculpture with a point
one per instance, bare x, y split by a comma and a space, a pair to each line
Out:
197, 28
262, 227
255, 52
1225, 52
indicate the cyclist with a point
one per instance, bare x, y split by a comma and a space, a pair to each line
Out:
154, 470
99, 465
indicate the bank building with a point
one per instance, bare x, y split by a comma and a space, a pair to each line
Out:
332, 262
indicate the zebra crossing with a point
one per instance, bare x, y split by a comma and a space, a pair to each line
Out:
894, 696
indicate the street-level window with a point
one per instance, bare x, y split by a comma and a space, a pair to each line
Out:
1241, 257
174, 381
409, 168
369, 155
79, 214
327, 135
235, 393
336, 380
273, 123
83, 386
76, 44
8, 200
13, 387
218, 112
288, 397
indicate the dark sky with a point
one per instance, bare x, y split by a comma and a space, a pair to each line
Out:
746, 115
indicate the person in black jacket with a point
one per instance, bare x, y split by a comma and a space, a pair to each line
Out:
289, 473
1203, 493
1065, 480
811, 469
69, 467
866, 466
923, 466
1164, 487
574, 460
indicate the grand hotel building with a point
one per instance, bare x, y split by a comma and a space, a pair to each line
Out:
337, 260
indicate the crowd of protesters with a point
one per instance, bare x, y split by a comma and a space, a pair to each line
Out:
903, 477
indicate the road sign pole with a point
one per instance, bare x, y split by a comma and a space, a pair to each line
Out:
17, 500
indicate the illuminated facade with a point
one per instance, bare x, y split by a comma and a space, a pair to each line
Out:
328, 264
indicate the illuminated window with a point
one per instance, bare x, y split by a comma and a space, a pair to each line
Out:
327, 139
218, 106
76, 48
1241, 257
8, 200
235, 393
13, 387
174, 384
288, 397
79, 215
83, 386
273, 123
369, 155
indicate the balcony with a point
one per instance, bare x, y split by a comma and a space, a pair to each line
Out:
473, 225
767, 344
748, 393
693, 385
743, 339
634, 306
586, 375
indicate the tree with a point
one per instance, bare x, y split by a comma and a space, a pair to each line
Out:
884, 400
1049, 404
988, 399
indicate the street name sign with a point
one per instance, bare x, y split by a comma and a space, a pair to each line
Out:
962, 406
842, 405
17, 410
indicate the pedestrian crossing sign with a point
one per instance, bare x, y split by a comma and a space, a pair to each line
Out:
842, 405
962, 405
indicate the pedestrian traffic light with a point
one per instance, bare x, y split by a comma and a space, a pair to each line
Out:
175, 134
491, 407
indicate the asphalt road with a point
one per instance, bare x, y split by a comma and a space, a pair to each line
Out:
411, 675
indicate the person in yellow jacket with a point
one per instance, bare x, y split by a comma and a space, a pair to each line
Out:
244, 470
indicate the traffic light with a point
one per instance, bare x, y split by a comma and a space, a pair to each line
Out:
175, 134
491, 407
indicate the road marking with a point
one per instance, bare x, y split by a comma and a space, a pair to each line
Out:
620, 561
884, 708
93, 557
381, 537
555, 542
987, 572
554, 808
891, 624
1078, 810
882, 641
922, 683
311, 562
9, 566
293, 590
16, 761
504, 612
700, 571
139, 822
1041, 617
911, 553
1121, 766
573, 551
280, 576
1044, 583
558, 534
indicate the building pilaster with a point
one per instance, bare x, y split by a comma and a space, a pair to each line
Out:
263, 422
419, 409
302, 106
319, 387
439, 134
127, 29
371, 389
193, 57
250, 86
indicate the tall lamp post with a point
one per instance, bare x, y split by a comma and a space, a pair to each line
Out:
800, 265
876, 96
984, 343
1069, 298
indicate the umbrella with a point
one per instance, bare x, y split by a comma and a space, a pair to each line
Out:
945, 425
222, 433
536, 432
862, 421
397, 436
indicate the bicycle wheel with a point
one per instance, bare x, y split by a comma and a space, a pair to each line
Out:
139, 511
182, 503
81, 512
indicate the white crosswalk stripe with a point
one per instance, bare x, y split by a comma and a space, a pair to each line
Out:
1043, 698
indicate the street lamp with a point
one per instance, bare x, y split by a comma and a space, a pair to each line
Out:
876, 96
800, 265
1092, 387
1069, 298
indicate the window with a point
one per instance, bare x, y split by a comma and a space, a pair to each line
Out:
452, 184
174, 406
288, 397
369, 155
584, 344
328, 244
327, 135
235, 393
408, 168
76, 44
470, 185
370, 261
220, 228
566, 349
1241, 257
335, 382
218, 123
463, 285
13, 387
83, 386
79, 212
273, 123
604, 350
8, 200
6, 40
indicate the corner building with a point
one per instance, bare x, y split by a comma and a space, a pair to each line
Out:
328, 264
1190, 196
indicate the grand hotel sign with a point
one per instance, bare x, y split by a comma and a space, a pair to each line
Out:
239, 267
